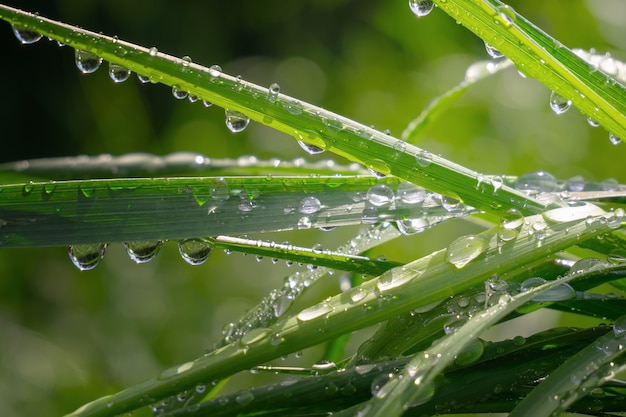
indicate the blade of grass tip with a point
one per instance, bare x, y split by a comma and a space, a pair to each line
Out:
377, 151
399, 290
415, 385
476, 72
538, 55
174, 164
586, 370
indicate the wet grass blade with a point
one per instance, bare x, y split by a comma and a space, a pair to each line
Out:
315, 126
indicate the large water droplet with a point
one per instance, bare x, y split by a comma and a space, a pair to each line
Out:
369, 215
493, 52
25, 35
539, 181
118, 73
143, 251
465, 249
409, 193
272, 92
236, 121
314, 312
571, 211
310, 149
86, 257
421, 8
558, 104
194, 251
380, 195
87, 62
310, 205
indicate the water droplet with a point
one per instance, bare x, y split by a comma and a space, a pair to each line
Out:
393, 279
310, 205
369, 215
214, 72
144, 79
304, 223
576, 183
559, 293
310, 149
87, 62
194, 251
272, 92
25, 35
410, 227
235, 121
454, 324
571, 211
592, 122
118, 73
28, 187
332, 125
153, 51
409, 193
423, 158
380, 195
614, 139
86, 257
609, 184
357, 294
558, 104
378, 168
244, 398
507, 14
465, 249
143, 251
493, 52
207, 103
178, 93
619, 326
314, 312
471, 353
421, 8
254, 336
539, 181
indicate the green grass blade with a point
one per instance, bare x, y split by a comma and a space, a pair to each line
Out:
540, 56
402, 289
326, 130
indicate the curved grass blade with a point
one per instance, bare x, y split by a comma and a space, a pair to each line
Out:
399, 290
538, 55
476, 72
325, 130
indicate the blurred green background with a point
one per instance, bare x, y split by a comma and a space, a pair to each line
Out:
70, 336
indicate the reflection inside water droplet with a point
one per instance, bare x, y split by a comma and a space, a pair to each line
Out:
194, 251
558, 104
143, 251
87, 62
465, 249
235, 121
421, 8
118, 73
86, 257
25, 35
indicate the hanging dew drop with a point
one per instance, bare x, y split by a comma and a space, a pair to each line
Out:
493, 52
194, 251
178, 93
235, 121
421, 8
87, 62
558, 104
118, 73
272, 93
614, 139
25, 35
465, 249
310, 149
207, 103
380, 195
144, 79
591, 122
86, 257
143, 251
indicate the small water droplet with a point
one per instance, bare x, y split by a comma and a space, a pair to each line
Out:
304, 223
471, 353
380, 195
314, 312
143, 251
25, 35
153, 51
507, 14
558, 104
254, 336
118, 73
87, 62
178, 93
235, 121
194, 251
144, 79
310, 205
207, 103
410, 227
369, 215
378, 168
493, 52
423, 158
86, 257
559, 293
244, 398
465, 249
272, 92
220, 190
592, 122
214, 72
332, 125
410, 194
310, 149
614, 139
576, 183
539, 181
421, 8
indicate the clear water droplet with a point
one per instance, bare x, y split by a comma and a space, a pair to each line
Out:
576, 183
254, 336
410, 194
310, 149
220, 190
614, 139
153, 51
310, 205
194, 251
369, 215
118, 73
410, 227
86, 257
304, 223
465, 249
493, 52
507, 14
25, 35
378, 168
421, 8
235, 121
207, 103
380, 195
423, 158
539, 181
87, 62
272, 92
571, 211
471, 353
215, 71
143, 251
178, 93
144, 79
558, 104
314, 312
592, 122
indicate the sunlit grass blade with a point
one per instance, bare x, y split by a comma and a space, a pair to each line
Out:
414, 285
476, 72
538, 55
309, 124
